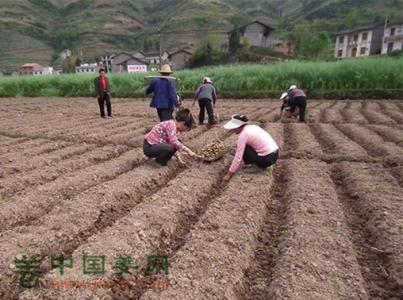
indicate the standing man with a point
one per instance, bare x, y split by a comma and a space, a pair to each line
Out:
165, 99
102, 90
207, 96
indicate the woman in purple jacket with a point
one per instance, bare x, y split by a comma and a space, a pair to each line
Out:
297, 97
165, 98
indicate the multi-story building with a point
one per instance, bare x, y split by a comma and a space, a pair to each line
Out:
359, 42
392, 38
87, 68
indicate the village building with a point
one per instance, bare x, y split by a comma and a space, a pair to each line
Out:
152, 58
43, 72
140, 55
126, 63
258, 34
359, 42
392, 38
29, 69
177, 59
87, 68
106, 61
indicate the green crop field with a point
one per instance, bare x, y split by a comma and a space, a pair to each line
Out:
360, 78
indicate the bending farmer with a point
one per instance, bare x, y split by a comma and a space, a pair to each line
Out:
162, 142
255, 145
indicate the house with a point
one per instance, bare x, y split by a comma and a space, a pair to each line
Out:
152, 58
392, 38
359, 42
258, 34
106, 61
87, 68
139, 55
177, 59
126, 63
43, 72
29, 69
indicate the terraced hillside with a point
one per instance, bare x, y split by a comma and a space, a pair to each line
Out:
324, 223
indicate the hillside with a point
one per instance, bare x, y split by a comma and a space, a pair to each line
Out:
36, 30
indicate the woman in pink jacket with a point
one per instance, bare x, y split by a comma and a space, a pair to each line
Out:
255, 146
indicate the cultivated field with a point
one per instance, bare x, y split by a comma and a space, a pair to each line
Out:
325, 223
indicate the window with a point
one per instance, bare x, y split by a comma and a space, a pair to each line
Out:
341, 40
365, 36
363, 50
355, 37
392, 31
340, 53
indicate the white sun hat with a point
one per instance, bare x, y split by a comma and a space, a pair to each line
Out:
292, 87
234, 124
207, 79
283, 95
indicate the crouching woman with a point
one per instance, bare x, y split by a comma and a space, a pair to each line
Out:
163, 141
255, 146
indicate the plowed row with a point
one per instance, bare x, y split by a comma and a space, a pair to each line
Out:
324, 223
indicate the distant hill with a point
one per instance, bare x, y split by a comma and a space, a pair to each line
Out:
36, 30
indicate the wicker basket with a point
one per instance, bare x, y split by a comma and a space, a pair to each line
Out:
210, 152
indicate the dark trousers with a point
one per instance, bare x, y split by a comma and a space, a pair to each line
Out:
206, 104
250, 156
299, 102
162, 152
106, 99
165, 114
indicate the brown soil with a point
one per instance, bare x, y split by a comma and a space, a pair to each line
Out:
324, 223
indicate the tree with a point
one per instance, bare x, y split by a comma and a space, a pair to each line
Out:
205, 55
69, 64
352, 19
66, 39
234, 41
311, 42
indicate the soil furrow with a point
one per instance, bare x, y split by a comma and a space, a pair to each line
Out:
142, 231
395, 115
333, 114
335, 143
26, 164
300, 141
375, 117
86, 215
28, 207
314, 112
17, 183
315, 257
43, 147
388, 133
219, 248
373, 143
21, 147
372, 203
352, 113
257, 278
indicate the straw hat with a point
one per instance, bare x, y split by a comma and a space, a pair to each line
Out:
166, 69
207, 80
234, 124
